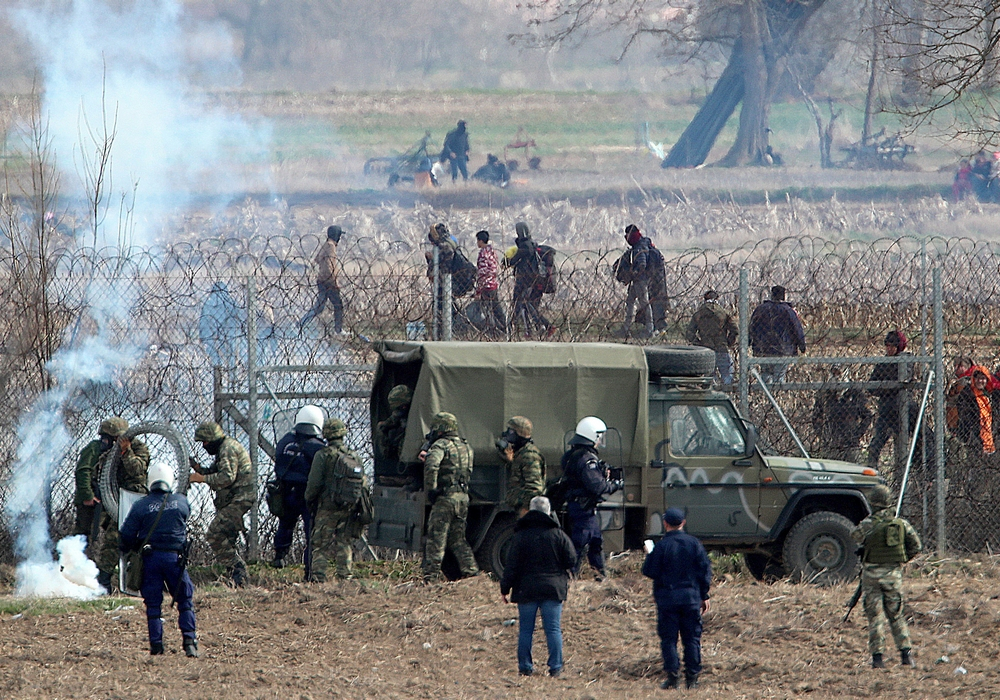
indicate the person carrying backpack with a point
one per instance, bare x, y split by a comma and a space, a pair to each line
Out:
529, 284
634, 269
336, 493
889, 542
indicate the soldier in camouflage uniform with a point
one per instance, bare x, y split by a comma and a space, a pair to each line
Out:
336, 524
889, 542
232, 479
392, 430
131, 476
527, 466
447, 471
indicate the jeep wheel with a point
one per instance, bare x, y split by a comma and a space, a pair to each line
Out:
492, 553
819, 549
763, 567
680, 360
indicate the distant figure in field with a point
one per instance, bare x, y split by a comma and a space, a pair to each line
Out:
493, 173
456, 151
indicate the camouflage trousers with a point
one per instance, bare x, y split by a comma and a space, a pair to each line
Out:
225, 531
446, 530
333, 534
107, 558
882, 587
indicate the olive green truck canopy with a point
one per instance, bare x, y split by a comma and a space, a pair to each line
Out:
484, 384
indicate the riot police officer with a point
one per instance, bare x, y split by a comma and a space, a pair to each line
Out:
587, 485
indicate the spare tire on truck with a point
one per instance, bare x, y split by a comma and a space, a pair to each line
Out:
680, 360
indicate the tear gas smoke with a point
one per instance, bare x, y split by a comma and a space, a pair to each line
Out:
136, 65
128, 71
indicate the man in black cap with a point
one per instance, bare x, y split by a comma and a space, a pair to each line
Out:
776, 331
891, 404
713, 327
682, 575
326, 281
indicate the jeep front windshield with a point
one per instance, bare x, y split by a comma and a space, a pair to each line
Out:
704, 431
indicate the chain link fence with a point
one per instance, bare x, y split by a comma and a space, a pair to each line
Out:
189, 315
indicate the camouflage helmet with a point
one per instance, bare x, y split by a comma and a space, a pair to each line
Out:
880, 496
444, 422
521, 426
399, 396
334, 429
209, 431
114, 426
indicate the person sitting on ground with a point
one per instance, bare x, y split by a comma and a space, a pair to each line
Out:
494, 172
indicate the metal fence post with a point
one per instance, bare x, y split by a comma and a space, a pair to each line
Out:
939, 421
435, 293
446, 306
254, 543
744, 314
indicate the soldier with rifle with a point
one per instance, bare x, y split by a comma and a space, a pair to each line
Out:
888, 542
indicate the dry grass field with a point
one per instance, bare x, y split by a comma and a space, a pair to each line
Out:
368, 639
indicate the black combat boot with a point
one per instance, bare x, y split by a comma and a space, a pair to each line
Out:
191, 647
904, 657
877, 661
156, 649
691, 681
671, 682
239, 575
104, 580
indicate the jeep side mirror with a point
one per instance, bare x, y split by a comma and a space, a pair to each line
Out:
751, 444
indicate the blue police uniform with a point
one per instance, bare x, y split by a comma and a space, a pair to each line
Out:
162, 565
682, 575
587, 487
293, 459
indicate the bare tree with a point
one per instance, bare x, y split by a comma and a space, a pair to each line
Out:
944, 53
761, 34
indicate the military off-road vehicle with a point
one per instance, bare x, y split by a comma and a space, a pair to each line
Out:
679, 443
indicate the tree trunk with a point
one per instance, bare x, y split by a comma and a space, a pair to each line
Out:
768, 32
751, 139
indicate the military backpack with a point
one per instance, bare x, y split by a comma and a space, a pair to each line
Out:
887, 543
349, 480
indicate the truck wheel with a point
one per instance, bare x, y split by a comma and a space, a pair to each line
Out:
819, 549
680, 360
492, 553
764, 567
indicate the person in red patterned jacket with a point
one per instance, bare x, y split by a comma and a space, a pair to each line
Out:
487, 271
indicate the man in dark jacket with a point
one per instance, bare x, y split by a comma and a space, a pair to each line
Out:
293, 458
682, 575
456, 151
636, 268
160, 520
776, 331
528, 276
890, 402
588, 484
537, 577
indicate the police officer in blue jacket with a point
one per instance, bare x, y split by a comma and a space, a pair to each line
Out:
292, 461
682, 575
587, 485
165, 514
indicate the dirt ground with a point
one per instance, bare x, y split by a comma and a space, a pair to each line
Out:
369, 638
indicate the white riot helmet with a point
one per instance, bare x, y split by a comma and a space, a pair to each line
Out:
160, 473
309, 421
590, 429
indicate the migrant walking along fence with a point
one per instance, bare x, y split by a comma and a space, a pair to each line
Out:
206, 315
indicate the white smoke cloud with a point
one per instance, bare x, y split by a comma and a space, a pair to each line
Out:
137, 65
73, 576
134, 65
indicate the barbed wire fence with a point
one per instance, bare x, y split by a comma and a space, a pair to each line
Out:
189, 315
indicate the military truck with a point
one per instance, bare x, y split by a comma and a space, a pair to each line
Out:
679, 443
